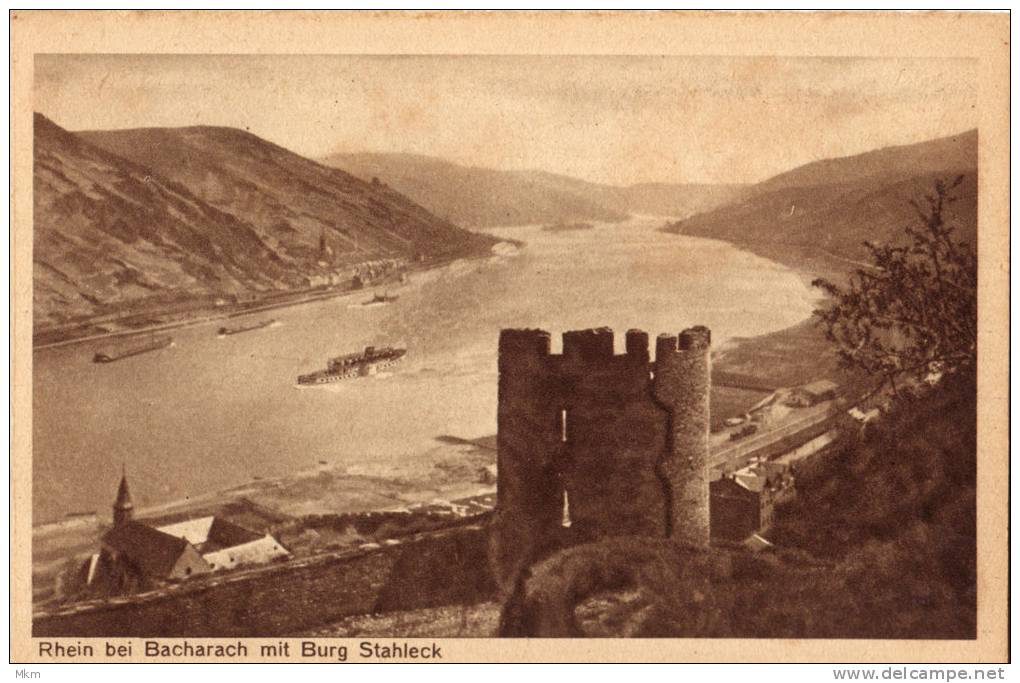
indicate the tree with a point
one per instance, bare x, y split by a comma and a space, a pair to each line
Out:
913, 311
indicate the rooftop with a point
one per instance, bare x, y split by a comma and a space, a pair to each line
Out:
210, 533
820, 386
154, 551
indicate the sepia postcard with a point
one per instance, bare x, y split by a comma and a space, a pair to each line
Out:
473, 336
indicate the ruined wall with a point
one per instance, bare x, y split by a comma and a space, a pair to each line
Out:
624, 439
440, 568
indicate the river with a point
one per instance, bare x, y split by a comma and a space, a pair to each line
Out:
211, 412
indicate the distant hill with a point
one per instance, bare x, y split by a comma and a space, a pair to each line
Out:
163, 215
889, 163
827, 209
485, 197
678, 201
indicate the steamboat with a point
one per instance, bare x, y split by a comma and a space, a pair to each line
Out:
354, 365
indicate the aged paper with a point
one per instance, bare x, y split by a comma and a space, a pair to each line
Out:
459, 336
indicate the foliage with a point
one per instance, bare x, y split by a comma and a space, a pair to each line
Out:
913, 310
879, 543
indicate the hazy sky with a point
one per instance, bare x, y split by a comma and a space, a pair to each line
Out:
609, 119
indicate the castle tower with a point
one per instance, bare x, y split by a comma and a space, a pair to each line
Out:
682, 383
528, 485
123, 508
621, 440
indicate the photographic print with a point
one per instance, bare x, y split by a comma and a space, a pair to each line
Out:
328, 349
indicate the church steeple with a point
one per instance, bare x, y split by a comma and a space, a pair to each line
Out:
123, 508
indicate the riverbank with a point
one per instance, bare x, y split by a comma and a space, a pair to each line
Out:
808, 263
203, 311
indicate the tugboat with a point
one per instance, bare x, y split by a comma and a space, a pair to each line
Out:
224, 331
380, 299
153, 344
355, 365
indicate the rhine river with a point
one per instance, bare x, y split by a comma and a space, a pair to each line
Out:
209, 412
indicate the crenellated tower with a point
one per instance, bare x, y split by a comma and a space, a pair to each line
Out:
594, 444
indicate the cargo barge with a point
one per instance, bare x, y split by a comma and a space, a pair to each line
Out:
126, 351
225, 331
355, 365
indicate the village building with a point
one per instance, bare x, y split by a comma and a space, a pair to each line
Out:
814, 393
223, 544
742, 503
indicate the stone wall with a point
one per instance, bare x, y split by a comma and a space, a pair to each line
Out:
440, 568
622, 440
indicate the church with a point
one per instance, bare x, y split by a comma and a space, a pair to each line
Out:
137, 556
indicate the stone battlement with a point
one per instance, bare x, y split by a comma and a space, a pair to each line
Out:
598, 344
594, 444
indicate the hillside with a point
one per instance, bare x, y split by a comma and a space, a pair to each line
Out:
146, 219
109, 232
889, 163
485, 197
290, 200
822, 212
879, 543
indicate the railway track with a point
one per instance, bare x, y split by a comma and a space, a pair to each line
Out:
746, 447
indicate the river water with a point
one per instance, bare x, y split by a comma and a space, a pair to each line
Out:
210, 412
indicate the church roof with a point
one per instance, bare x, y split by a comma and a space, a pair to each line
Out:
262, 549
155, 553
194, 531
210, 533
